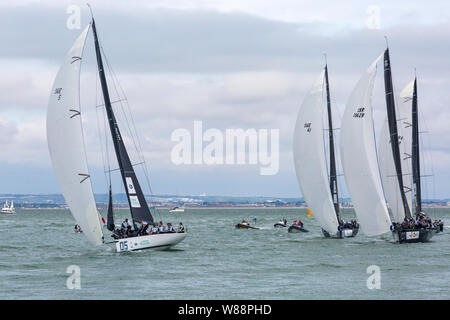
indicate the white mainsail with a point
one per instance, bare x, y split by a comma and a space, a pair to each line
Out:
359, 157
309, 158
66, 143
387, 166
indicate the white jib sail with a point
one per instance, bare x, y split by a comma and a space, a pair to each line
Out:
66, 143
359, 157
309, 158
387, 166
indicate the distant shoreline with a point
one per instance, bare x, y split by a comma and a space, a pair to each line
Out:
213, 207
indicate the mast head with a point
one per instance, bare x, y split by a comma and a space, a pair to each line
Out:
90, 9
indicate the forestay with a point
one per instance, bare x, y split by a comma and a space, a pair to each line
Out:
310, 161
359, 157
66, 143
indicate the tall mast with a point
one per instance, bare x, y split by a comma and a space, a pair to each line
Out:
393, 132
136, 200
333, 176
415, 152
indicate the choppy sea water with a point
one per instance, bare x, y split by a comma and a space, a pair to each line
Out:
216, 261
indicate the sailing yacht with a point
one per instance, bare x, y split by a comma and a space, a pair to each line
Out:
400, 160
319, 187
359, 157
176, 209
8, 208
68, 155
371, 182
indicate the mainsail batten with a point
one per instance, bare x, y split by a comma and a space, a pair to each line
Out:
136, 199
359, 157
66, 144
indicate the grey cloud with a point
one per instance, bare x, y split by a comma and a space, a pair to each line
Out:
229, 70
163, 40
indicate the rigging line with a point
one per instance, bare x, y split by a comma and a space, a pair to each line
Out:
101, 144
99, 131
115, 81
132, 129
115, 78
106, 144
138, 148
427, 158
117, 169
336, 127
326, 143
324, 140
104, 148
112, 102
133, 133
121, 105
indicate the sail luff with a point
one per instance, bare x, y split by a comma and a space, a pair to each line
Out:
136, 200
333, 175
393, 131
359, 157
415, 152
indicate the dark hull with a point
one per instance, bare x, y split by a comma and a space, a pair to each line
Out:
344, 233
279, 225
413, 236
296, 229
245, 226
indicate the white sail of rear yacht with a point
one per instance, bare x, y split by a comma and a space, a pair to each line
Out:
387, 166
309, 158
66, 144
359, 157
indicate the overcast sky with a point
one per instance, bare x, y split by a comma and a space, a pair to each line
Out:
229, 63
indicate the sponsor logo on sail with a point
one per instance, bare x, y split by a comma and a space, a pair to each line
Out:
135, 202
130, 185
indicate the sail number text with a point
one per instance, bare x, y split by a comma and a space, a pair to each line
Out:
359, 113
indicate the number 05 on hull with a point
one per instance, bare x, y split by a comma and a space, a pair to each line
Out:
155, 241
